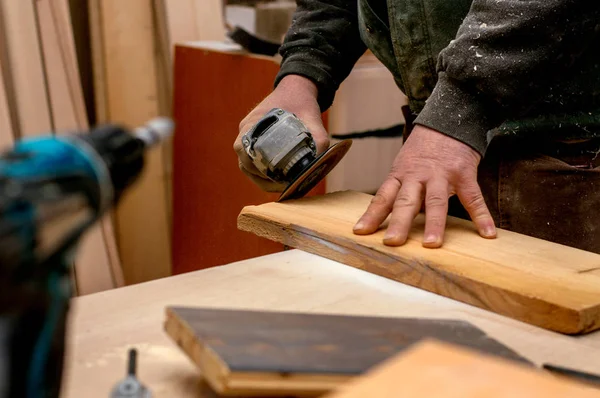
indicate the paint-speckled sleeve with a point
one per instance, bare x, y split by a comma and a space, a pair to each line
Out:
506, 55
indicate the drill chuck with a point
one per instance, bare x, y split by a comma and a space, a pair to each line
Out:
55, 187
122, 152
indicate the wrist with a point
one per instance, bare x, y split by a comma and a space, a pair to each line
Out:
298, 85
461, 112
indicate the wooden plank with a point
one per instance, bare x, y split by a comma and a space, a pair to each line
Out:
164, 48
435, 369
62, 24
6, 124
97, 267
99, 84
210, 19
80, 22
243, 352
132, 99
164, 68
92, 263
180, 20
62, 102
535, 281
8, 108
26, 67
98, 64
8, 116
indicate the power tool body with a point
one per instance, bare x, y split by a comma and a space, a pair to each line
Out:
283, 149
52, 190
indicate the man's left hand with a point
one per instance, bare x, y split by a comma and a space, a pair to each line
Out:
430, 167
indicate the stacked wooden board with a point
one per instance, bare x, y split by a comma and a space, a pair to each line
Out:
40, 93
532, 280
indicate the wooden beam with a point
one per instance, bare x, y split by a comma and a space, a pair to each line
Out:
130, 73
26, 67
180, 23
62, 101
164, 68
97, 266
535, 281
98, 65
61, 19
8, 115
6, 125
210, 19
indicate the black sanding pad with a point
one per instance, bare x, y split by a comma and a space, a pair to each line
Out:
316, 171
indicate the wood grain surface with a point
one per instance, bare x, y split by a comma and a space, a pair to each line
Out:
131, 92
273, 352
25, 64
435, 369
7, 136
535, 281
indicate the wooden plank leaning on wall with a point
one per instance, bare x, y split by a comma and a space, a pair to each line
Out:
128, 61
41, 93
25, 66
6, 120
98, 266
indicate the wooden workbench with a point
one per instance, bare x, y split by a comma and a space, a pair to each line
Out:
105, 325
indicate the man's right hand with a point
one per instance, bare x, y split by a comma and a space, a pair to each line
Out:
294, 94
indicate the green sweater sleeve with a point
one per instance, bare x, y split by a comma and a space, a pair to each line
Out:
322, 44
504, 59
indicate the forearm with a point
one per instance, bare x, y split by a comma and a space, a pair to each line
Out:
322, 44
504, 59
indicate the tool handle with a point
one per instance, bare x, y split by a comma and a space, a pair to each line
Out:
132, 363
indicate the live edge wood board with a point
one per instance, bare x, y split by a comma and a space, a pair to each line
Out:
542, 283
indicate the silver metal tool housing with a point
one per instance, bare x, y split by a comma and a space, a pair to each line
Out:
280, 145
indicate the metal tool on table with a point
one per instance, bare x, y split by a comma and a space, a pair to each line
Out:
52, 190
131, 387
283, 149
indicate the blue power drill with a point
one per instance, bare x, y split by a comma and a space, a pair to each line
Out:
52, 189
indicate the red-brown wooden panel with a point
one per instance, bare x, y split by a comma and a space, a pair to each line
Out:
213, 91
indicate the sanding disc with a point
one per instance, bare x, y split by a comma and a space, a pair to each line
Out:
321, 166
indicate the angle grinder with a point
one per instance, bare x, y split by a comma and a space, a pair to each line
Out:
282, 149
